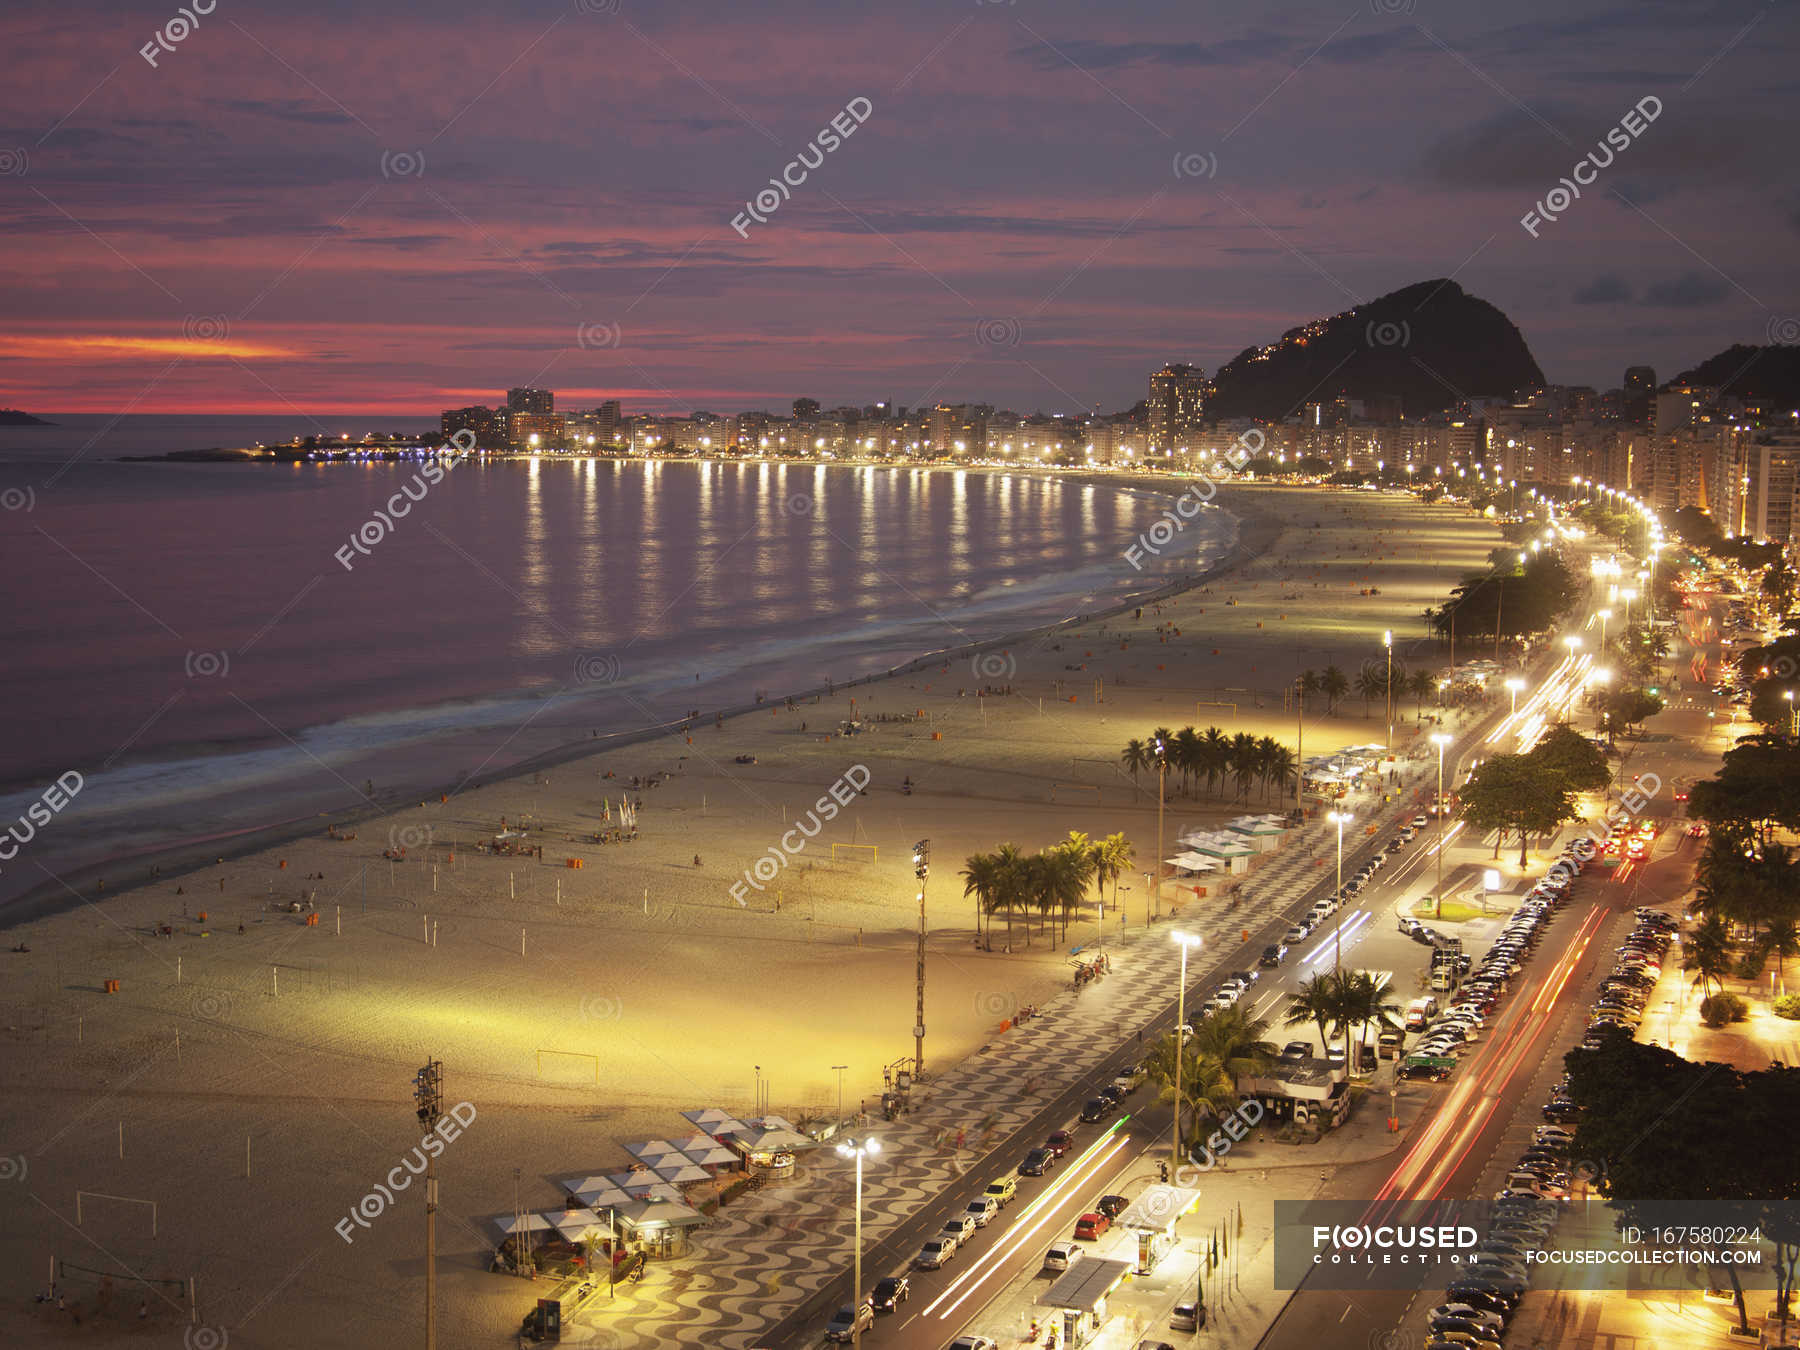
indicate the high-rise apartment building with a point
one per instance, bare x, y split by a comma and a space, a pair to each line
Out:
1638, 397
541, 402
1176, 406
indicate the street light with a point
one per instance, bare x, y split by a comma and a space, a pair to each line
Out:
1339, 819
1387, 640
1440, 740
921, 869
428, 1098
1184, 941
1513, 685
1162, 781
1788, 696
850, 1148
1603, 615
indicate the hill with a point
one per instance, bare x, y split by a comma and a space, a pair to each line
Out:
12, 417
1428, 346
1755, 374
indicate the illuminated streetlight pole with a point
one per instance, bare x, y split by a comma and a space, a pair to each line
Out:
1339, 819
1387, 640
1513, 685
850, 1148
1184, 941
1162, 780
921, 867
1603, 615
1440, 740
428, 1096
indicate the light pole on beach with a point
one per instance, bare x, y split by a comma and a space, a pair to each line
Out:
1162, 781
921, 868
1184, 941
428, 1096
850, 1148
1339, 819
1387, 640
1300, 745
1440, 740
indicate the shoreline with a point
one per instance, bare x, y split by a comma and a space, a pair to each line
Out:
1256, 532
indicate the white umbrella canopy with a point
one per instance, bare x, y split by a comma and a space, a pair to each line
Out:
637, 1185
652, 1151
576, 1224
596, 1192
523, 1223
711, 1119
677, 1173
709, 1154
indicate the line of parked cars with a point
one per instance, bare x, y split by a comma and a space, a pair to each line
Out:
1462, 1021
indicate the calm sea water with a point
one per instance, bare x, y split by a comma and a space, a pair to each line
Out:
185, 637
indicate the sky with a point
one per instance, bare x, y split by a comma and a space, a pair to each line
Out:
400, 207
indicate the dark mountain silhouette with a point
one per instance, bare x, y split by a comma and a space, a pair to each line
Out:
1429, 347
12, 417
1755, 374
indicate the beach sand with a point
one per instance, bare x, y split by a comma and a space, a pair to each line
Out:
530, 979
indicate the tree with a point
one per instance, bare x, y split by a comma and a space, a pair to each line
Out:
1206, 1086
1063, 879
1419, 684
1243, 761
1214, 756
1011, 874
1371, 684
1756, 789
1237, 1040
1137, 756
1112, 855
1278, 764
1706, 951
1511, 793
983, 878
1580, 763
1316, 1001
1334, 686
1627, 708
1362, 998
1187, 754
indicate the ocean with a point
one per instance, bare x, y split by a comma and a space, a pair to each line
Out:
189, 639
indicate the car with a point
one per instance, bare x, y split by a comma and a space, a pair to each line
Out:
1419, 822
889, 1293
1187, 1317
1112, 1205
959, 1226
846, 1322
1059, 1142
1113, 1093
935, 1252
1497, 1245
1297, 1050
1432, 1073
1221, 999
1561, 1112
982, 1211
1062, 1255
1153, 1345
1491, 1320
1295, 934
1409, 925
1096, 1110
1480, 1294
1272, 954
1236, 983
1553, 1136
973, 1343
1037, 1162
1470, 1326
1129, 1079
1407, 834
1424, 936
1246, 978
1092, 1226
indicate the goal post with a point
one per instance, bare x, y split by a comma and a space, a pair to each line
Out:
1072, 791
569, 1054
90, 1196
857, 852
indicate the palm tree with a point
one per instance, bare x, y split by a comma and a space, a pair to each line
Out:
1206, 1086
1365, 999
1316, 1001
1010, 871
982, 878
1334, 686
1280, 766
1215, 755
1236, 1039
1137, 756
1243, 761
1268, 749
1707, 952
1309, 684
1419, 684
1371, 684
1112, 855
1187, 754
1064, 875
1781, 939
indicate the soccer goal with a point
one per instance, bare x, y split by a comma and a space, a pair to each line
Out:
77, 1276
1074, 791
857, 852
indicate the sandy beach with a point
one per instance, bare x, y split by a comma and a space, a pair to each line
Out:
252, 1075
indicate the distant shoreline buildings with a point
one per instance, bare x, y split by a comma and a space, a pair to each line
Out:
1681, 447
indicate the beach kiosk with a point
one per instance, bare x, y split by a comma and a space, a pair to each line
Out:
1078, 1297
1151, 1221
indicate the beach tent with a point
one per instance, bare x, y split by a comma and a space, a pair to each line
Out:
653, 1151
511, 1224
575, 1224
678, 1171
596, 1192
640, 1215
637, 1185
705, 1151
1191, 862
714, 1121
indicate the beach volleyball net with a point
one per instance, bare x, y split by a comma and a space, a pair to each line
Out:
856, 852
1064, 792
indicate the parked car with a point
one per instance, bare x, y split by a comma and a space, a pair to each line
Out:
1096, 1109
1272, 954
959, 1226
1295, 934
1037, 1162
981, 1212
1187, 1317
1112, 1205
973, 1343
847, 1321
890, 1293
1092, 1226
1059, 1142
1062, 1255
935, 1252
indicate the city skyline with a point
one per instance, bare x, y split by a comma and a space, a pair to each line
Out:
1017, 208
